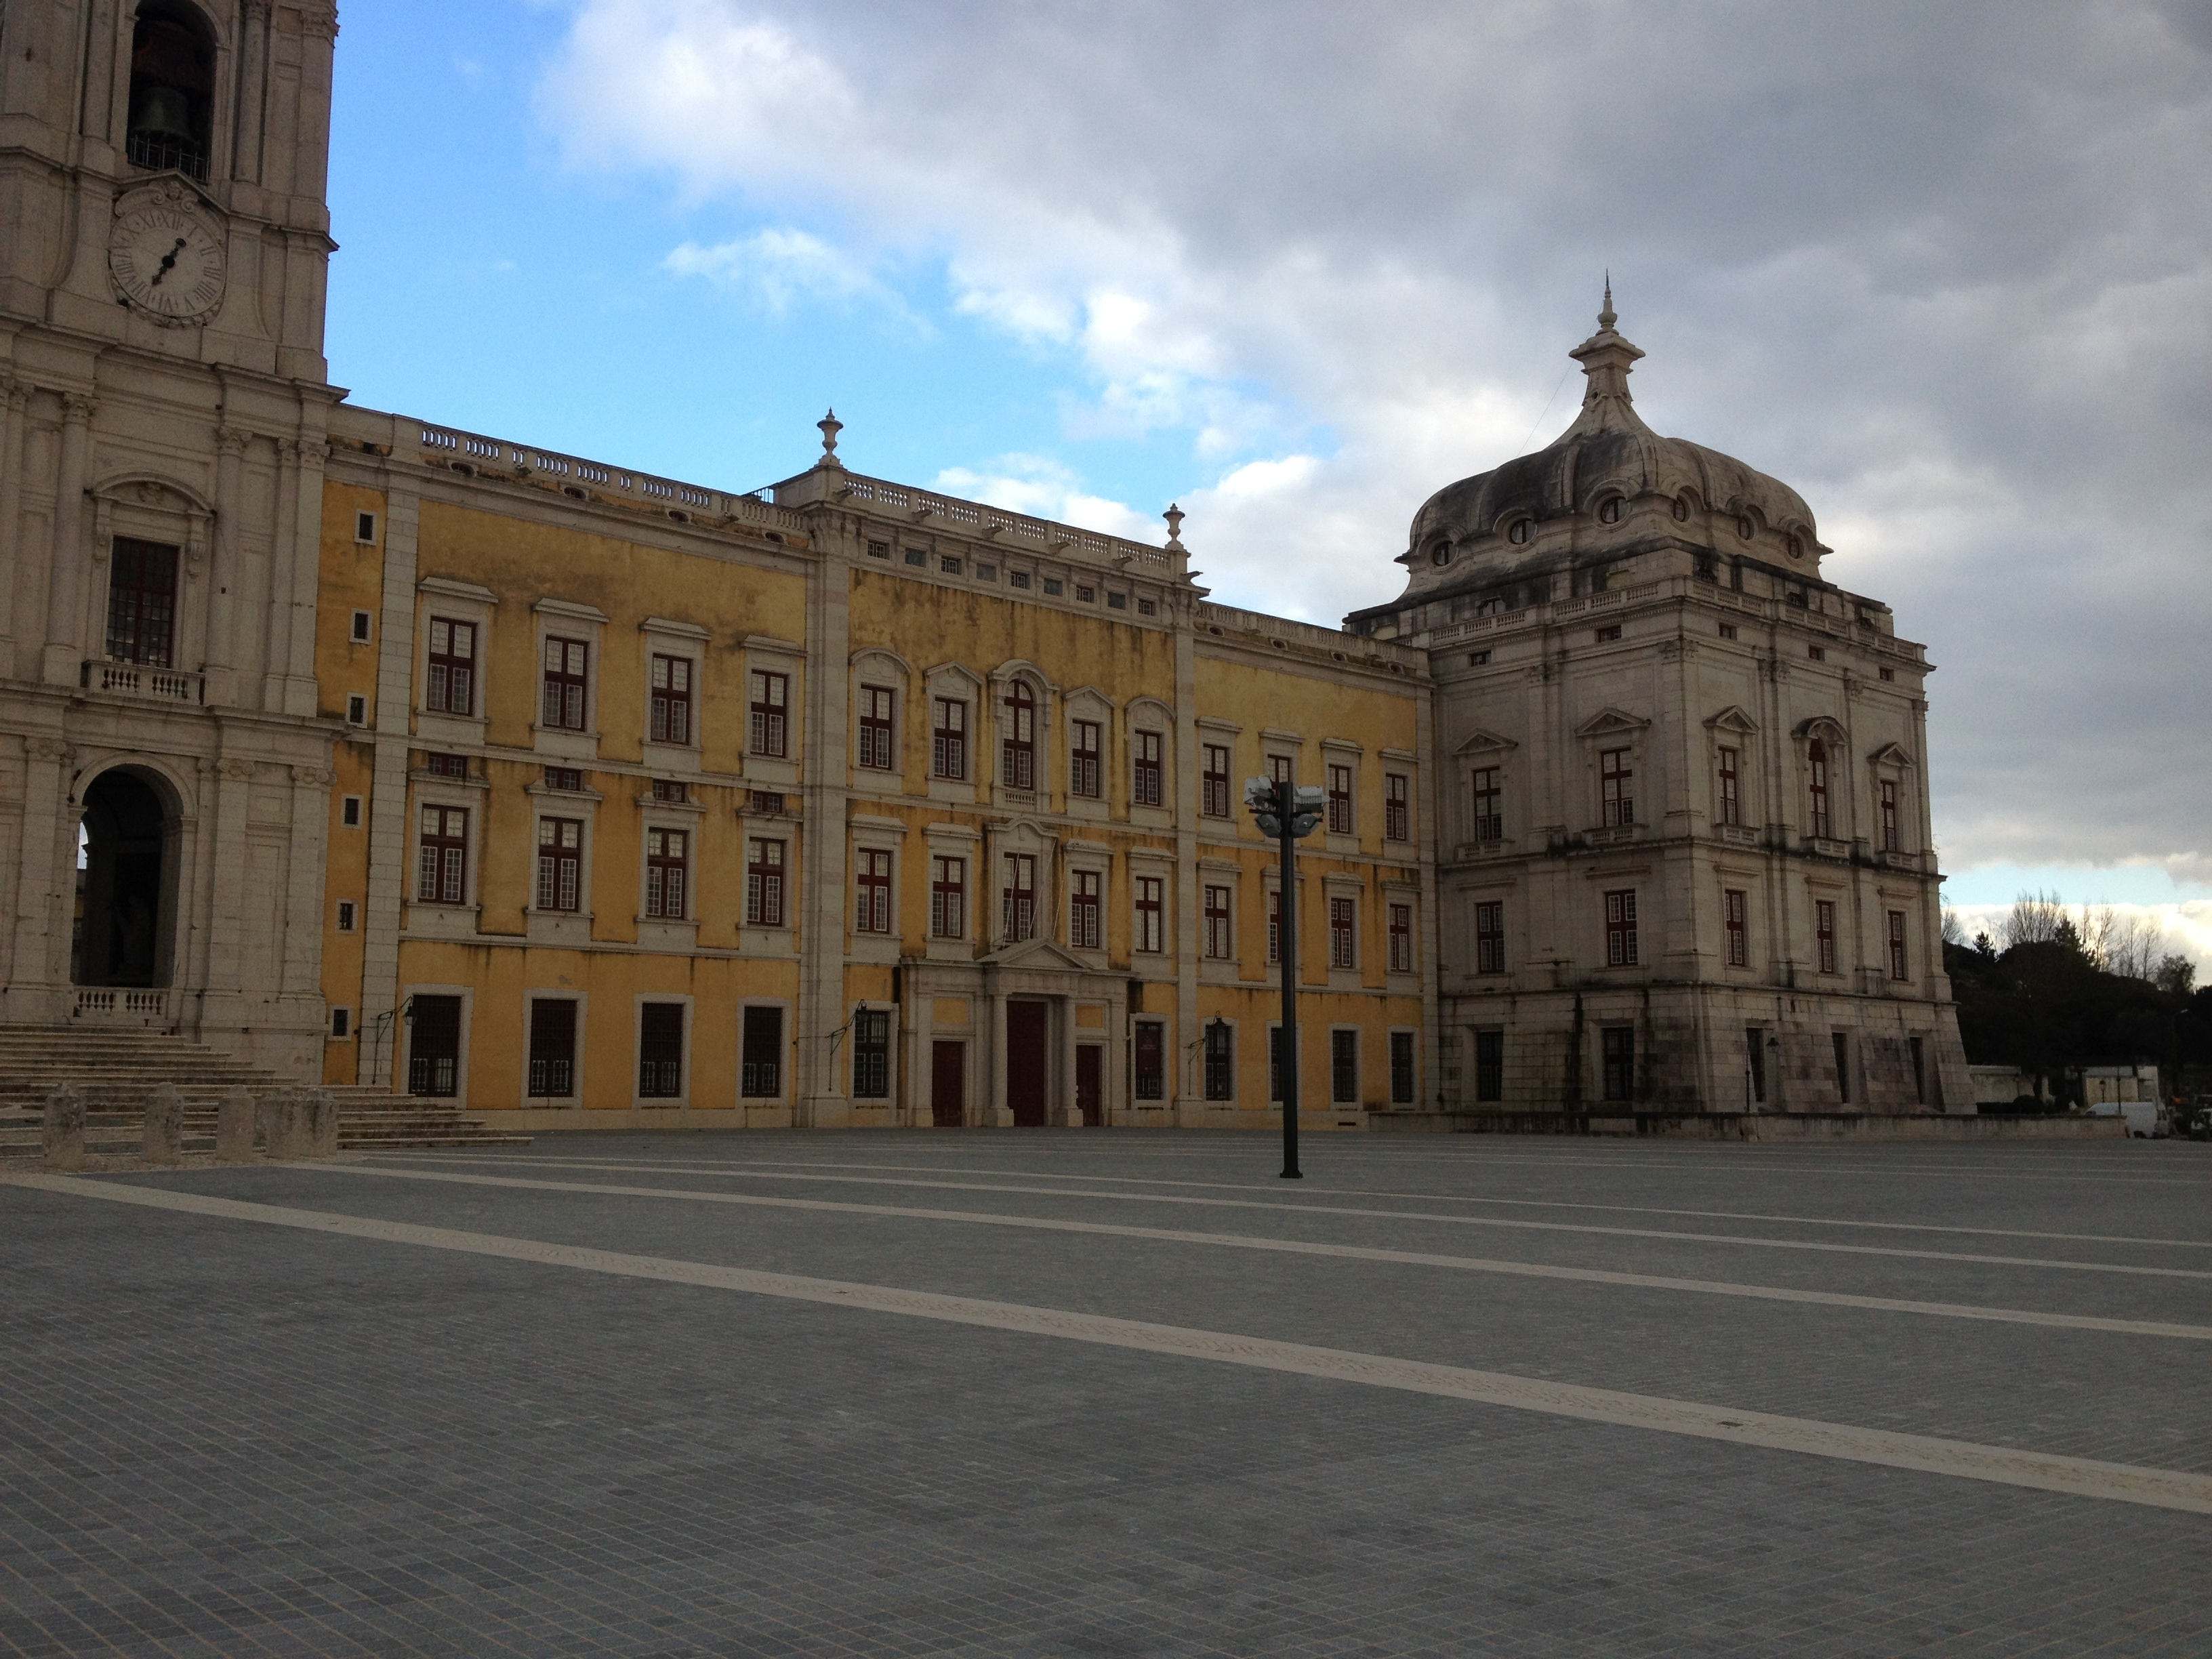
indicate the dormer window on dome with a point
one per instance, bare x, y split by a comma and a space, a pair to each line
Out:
1440, 554
1609, 510
1682, 509
1746, 528
1517, 532
1793, 547
172, 90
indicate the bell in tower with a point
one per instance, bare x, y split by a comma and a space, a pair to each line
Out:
172, 92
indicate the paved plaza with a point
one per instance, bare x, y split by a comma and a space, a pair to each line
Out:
1107, 1393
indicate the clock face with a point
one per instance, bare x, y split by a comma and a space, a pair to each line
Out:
169, 263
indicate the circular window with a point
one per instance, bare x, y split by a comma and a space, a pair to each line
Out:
1797, 549
1440, 554
1519, 532
1682, 509
1609, 513
1743, 528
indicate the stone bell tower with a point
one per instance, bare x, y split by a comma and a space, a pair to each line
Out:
164, 775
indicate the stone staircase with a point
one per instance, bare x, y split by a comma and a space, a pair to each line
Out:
117, 1069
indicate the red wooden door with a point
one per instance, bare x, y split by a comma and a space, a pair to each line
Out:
948, 1084
1088, 1083
1026, 1070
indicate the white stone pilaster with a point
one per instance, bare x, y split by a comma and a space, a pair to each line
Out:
65, 597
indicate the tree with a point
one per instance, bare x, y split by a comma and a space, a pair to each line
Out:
2176, 975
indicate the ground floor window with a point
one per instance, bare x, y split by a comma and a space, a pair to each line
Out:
1344, 1067
1619, 1048
1489, 1065
434, 1051
871, 1053
552, 1048
1401, 1068
1220, 1061
761, 1061
660, 1050
1151, 1045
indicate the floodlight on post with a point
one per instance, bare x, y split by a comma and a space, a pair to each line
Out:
1289, 813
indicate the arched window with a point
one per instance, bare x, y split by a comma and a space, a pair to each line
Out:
1816, 758
1608, 511
1440, 554
1018, 747
1518, 533
1682, 509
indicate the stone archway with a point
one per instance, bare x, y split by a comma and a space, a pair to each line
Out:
125, 893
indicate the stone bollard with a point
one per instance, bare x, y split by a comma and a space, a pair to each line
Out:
65, 1128
233, 1128
319, 1124
165, 1125
280, 1123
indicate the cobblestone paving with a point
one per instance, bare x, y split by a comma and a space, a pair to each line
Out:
222, 1438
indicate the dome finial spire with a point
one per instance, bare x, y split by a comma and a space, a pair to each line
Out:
1605, 317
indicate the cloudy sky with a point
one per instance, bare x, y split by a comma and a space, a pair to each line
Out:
1945, 270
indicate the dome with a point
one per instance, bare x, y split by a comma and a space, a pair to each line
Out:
1609, 482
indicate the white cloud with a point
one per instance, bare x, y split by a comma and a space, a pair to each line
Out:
1949, 275
778, 266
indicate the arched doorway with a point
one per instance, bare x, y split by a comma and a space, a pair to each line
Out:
124, 920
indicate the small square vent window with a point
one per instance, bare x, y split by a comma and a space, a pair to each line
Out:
1888, 673
345, 916
917, 558
1117, 601
364, 527
1611, 632
349, 812
341, 1023
1478, 658
948, 564
361, 627
1054, 587
1086, 595
879, 550
986, 573
1017, 578
1727, 630
1148, 607
356, 710
1816, 653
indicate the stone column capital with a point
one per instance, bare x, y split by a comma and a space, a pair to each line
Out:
233, 439
78, 408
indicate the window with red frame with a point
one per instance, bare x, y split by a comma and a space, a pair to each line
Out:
872, 903
1734, 913
672, 699
876, 703
1083, 906
1620, 929
1340, 800
564, 703
1018, 899
1489, 804
1397, 807
948, 745
1616, 787
1897, 963
442, 864
1219, 945
948, 897
1730, 808
1402, 939
764, 883
1889, 843
1018, 744
560, 863
771, 707
1145, 781
1083, 777
451, 684
1152, 892
1490, 936
1213, 780
1343, 927
668, 868
1816, 761
1824, 935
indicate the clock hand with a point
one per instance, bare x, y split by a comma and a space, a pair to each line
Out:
168, 263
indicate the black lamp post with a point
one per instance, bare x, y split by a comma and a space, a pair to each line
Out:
1289, 813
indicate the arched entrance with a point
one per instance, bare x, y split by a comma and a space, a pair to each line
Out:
126, 919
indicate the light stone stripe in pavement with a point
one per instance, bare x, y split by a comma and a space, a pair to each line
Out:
2170, 1489
1367, 1192
1821, 1245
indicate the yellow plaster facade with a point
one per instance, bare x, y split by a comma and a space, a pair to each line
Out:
855, 806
